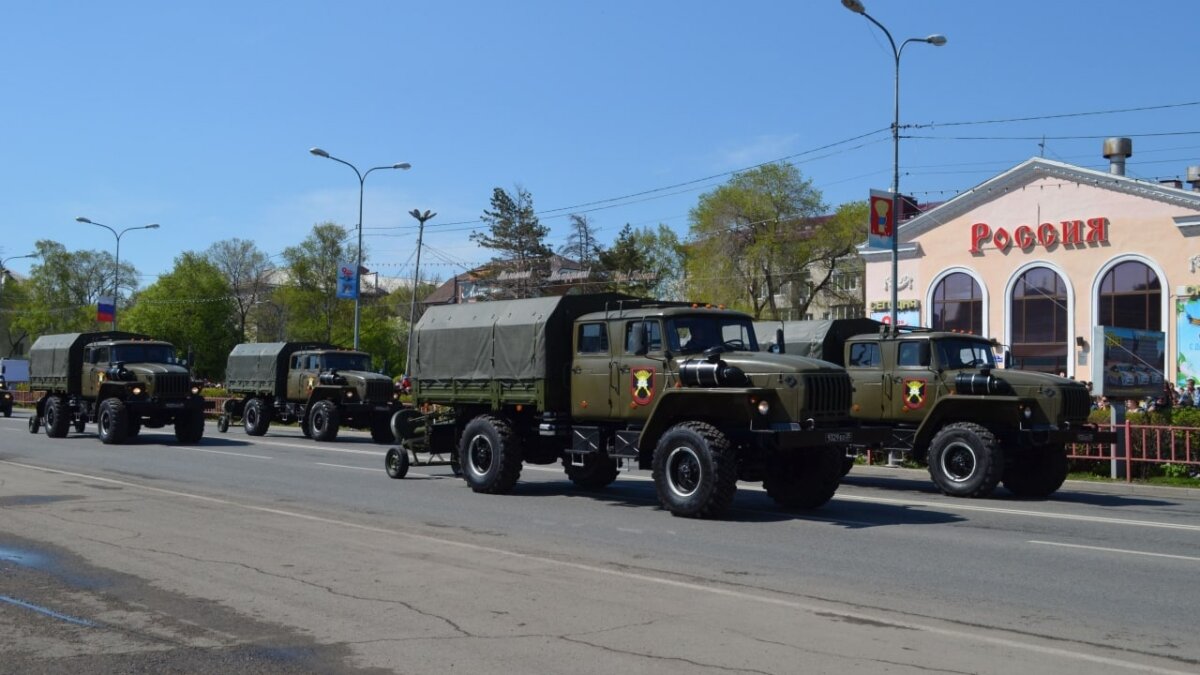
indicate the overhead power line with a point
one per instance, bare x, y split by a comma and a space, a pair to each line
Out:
931, 125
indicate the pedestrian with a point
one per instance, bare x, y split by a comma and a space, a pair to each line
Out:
1189, 396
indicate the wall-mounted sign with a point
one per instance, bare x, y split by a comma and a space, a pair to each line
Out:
1025, 237
901, 305
1128, 363
1187, 334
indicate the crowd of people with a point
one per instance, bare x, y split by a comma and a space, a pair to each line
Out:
1184, 396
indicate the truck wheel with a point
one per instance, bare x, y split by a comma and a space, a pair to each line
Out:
807, 480
381, 430
8, 410
223, 423
396, 462
695, 471
255, 418
1036, 473
189, 426
598, 470
965, 460
58, 420
113, 421
490, 455
323, 421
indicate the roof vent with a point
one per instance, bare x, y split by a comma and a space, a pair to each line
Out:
1171, 182
1193, 177
1116, 151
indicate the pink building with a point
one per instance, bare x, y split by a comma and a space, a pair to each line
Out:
1040, 254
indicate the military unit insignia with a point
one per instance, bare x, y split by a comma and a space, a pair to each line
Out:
642, 385
914, 394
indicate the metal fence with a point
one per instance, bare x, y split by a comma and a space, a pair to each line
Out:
1145, 446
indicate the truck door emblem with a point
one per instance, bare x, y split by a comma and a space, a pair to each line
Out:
310, 383
914, 394
642, 385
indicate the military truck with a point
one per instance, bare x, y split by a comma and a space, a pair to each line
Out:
949, 407
121, 381
318, 385
602, 381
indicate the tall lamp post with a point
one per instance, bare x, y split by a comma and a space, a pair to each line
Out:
4, 265
857, 7
117, 266
362, 179
412, 308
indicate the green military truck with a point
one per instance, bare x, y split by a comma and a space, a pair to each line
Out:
948, 406
316, 384
599, 382
120, 381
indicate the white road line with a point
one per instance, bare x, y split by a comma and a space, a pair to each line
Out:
343, 466
1116, 550
645, 577
215, 452
322, 448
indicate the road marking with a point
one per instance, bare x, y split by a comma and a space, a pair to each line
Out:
343, 466
215, 452
644, 577
1116, 550
313, 446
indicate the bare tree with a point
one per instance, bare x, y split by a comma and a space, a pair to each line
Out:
247, 269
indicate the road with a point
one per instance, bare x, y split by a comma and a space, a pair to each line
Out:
279, 554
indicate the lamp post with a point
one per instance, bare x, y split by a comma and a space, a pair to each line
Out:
362, 179
117, 266
412, 307
857, 7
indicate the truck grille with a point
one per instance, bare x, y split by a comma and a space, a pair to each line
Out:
1076, 403
379, 391
172, 385
827, 394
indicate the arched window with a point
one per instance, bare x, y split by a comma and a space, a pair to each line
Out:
1131, 297
958, 304
1039, 321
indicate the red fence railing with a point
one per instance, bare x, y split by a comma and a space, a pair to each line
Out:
1144, 445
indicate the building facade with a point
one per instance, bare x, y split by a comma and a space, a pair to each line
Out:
1040, 254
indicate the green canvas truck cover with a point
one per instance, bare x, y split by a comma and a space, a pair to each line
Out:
820, 339
263, 366
56, 361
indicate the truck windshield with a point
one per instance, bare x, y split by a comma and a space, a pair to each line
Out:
962, 353
695, 334
347, 361
143, 354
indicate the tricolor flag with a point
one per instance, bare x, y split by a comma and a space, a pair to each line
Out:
105, 308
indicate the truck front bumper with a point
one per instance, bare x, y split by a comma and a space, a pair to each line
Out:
793, 436
1081, 434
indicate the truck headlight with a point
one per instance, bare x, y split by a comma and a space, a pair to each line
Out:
349, 393
764, 407
195, 391
137, 391
1026, 412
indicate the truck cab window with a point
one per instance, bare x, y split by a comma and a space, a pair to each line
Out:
653, 336
100, 355
910, 354
864, 355
593, 338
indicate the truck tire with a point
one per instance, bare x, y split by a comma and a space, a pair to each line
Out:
490, 455
189, 426
323, 421
965, 460
381, 430
598, 470
34, 422
8, 410
58, 419
80, 425
807, 480
256, 419
695, 471
396, 462
112, 424
1036, 473
305, 428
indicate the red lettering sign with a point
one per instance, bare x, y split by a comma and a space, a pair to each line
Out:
1001, 239
1097, 230
1072, 232
1025, 237
1047, 235
980, 233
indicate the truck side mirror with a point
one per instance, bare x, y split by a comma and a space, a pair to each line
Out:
779, 349
637, 339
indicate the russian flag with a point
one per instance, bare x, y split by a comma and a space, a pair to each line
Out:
105, 309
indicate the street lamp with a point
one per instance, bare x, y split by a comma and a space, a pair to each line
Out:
412, 308
117, 267
937, 41
4, 273
362, 178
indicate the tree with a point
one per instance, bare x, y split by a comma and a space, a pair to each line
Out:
247, 270
13, 295
310, 298
759, 233
64, 287
519, 238
192, 308
582, 244
645, 262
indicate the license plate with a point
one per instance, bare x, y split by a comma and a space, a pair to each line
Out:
175, 405
1085, 438
837, 437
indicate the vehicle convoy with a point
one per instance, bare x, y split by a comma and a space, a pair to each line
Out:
604, 381
318, 385
948, 406
120, 381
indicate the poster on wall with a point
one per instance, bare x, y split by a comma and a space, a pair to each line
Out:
1128, 363
1187, 334
904, 317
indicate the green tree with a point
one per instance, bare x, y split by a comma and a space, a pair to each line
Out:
13, 295
64, 287
191, 307
646, 262
310, 300
517, 236
247, 269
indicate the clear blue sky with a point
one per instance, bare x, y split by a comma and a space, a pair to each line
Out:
199, 115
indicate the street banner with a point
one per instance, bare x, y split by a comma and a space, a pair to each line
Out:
347, 281
1187, 334
883, 220
105, 308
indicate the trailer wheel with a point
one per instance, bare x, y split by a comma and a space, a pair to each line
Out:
255, 418
1036, 473
490, 455
965, 460
695, 471
35, 422
58, 420
807, 480
189, 426
598, 470
396, 462
223, 423
113, 421
323, 421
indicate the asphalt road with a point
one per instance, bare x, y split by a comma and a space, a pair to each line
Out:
279, 554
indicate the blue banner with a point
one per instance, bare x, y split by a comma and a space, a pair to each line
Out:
347, 280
